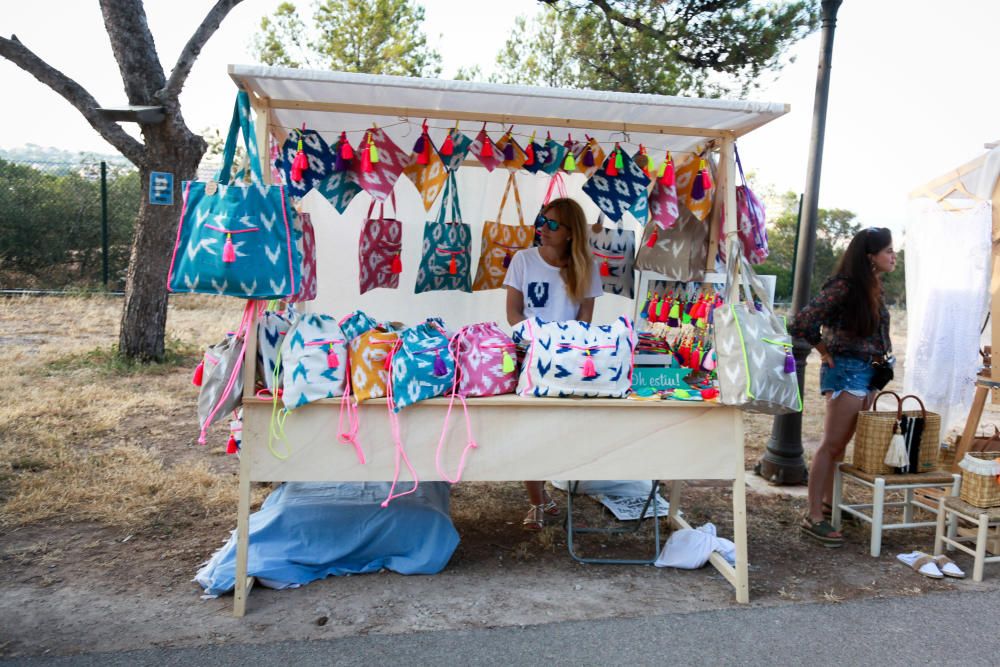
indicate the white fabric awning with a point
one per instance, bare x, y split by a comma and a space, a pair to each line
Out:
330, 102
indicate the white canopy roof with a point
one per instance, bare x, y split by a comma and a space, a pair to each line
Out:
974, 181
660, 122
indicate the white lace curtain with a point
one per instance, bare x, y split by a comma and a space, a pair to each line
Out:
947, 297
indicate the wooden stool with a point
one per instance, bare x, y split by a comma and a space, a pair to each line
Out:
882, 483
953, 509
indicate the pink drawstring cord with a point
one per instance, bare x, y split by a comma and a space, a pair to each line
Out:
350, 436
397, 438
455, 345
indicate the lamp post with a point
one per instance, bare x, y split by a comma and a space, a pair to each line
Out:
782, 463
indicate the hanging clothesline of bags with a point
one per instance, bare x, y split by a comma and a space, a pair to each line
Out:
674, 196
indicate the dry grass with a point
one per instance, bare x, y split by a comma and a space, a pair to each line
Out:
69, 447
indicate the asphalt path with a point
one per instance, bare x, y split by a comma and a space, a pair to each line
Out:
939, 629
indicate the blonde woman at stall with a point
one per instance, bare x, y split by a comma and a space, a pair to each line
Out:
848, 324
556, 281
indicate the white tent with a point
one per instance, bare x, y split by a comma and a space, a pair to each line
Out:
951, 283
331, 102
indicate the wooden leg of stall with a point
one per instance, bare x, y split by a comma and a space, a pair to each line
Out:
742, 583
971, 424
243, 583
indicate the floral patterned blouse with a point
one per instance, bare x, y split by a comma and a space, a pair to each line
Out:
822, 321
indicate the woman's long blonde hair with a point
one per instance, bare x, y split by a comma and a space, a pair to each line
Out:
578, 272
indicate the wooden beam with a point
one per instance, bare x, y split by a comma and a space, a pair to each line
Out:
505, 119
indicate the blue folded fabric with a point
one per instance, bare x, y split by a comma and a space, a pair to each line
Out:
308, 531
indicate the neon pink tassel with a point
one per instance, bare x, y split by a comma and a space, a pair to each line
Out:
588, 368
228, 250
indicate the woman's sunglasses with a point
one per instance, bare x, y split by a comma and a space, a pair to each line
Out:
544, 221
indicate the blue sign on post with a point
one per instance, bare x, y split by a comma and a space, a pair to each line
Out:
161, 188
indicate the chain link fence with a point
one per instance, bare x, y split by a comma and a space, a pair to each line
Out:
66, 225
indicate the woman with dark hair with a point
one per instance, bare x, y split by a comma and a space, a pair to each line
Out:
848, 324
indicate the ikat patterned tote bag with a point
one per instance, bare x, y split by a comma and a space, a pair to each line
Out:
380, 251
614, 250
236, 239
501, 242
485, 359
446, 256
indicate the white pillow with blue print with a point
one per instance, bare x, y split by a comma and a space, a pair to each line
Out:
573, 358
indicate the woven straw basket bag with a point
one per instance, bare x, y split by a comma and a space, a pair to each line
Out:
875, 431
981, 479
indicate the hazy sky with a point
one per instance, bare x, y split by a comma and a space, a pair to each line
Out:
913, 92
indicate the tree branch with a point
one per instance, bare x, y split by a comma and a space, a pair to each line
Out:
13, 50
193, 48
135, 52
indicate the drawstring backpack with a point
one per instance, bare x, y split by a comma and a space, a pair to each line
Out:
422, 364
220, 377
485, 359
446, 256
271, 331
421, 367
501, 242
314, 357
576, 358
614, 250
484, 366
369, 355
379, 250
356, 323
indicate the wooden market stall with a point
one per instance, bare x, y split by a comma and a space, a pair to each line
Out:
585, 439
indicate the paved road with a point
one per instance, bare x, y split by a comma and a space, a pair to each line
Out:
941, 629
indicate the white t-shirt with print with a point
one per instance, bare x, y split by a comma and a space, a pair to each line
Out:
544, 292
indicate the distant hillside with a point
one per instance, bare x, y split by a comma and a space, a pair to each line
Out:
33, 153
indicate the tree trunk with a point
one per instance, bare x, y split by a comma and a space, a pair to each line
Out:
144, 317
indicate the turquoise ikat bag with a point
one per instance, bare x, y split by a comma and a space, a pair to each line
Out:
235, 239
422, 364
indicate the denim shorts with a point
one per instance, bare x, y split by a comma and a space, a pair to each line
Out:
848, 374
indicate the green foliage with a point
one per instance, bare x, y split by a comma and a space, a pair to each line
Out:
834, 230
375, 37
667, 47
50, 223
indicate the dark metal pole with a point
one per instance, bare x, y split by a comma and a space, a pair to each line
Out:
782, 463
104, 221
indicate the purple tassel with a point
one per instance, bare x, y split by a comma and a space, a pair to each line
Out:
506, 260
508, 151
340, 164
698, 188
711, 312
440, 369
789, 362
418, 147
588, 158
758, 305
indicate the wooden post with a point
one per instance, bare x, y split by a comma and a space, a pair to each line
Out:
995, 286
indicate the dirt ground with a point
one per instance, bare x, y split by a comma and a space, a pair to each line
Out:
104, 523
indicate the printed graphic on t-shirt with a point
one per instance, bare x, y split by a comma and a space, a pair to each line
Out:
538, 294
